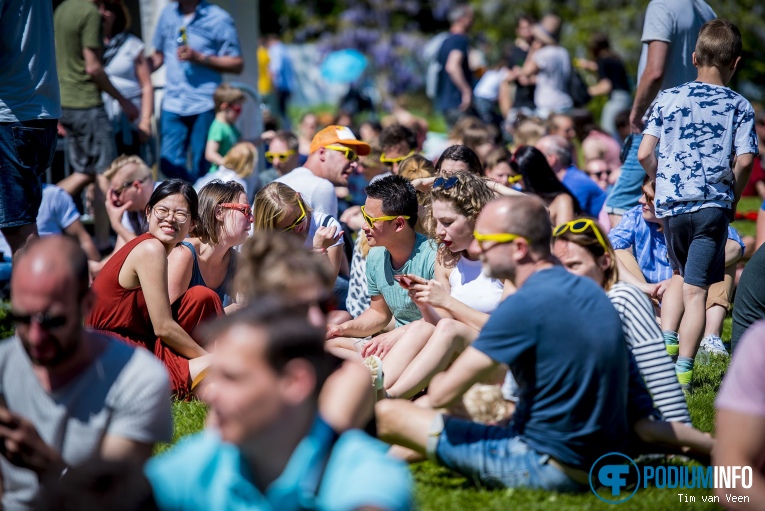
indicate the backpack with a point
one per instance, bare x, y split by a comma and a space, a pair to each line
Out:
430, 53
577, 89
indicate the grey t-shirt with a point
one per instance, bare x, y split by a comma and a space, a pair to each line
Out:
551, 93
676, 22
125, 392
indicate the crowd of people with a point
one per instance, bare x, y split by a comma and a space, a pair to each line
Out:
532, 297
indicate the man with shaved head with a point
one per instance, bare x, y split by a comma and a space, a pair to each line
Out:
563, 342
66, 394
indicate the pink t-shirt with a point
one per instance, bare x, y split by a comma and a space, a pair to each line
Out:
743, 388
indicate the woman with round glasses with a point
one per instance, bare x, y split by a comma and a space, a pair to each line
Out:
584, 249
133, 301
539, 179
209, 257
458, 300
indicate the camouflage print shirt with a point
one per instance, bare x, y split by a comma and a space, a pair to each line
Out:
701, 129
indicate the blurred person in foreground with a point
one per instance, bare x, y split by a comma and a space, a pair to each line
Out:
69, 395
269, 448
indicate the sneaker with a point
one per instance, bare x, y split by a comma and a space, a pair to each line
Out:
713, 345
375, 368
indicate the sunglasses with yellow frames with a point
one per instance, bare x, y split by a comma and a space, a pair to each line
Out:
372, 219
282, 156
497, 238
511, 180
578, 227
350, 154
397, 159
300, 218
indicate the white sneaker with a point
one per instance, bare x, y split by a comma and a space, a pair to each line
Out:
376, 370
713, 345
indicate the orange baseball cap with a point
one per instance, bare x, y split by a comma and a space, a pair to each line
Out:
339, 135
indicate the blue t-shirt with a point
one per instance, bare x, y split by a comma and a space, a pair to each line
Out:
701, 129
28, 75
591, 198
448, 96
563, 341
206, 474
380, 281
189, 87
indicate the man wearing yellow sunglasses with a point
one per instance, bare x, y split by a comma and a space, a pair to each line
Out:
390, 214
397, 143
563, 342
282, 154
333, 157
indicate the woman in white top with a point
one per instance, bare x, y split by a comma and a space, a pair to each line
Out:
460, 298
128, 70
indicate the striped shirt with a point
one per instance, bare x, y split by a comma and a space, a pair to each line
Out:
646, 343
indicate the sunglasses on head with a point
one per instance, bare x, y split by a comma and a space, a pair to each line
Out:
398, 159
444, 183
350, 154
44, 319
270, 156
578, 227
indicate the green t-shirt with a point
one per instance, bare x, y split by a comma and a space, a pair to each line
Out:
77, 25
226, 135
380, 281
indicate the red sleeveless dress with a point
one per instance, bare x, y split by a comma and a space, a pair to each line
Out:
123, 313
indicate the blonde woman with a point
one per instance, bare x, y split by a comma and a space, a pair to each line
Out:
238, 165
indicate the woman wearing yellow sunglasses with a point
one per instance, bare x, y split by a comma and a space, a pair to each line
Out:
584, 249
458, 300
278, 207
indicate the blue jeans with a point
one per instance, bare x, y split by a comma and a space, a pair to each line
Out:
26, 150
178, 133
627, 190
494, 457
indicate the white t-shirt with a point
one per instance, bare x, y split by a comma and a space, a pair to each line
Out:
317, 191
488, 86
676, 22
321, 220
551, 92
125, 392
121, 72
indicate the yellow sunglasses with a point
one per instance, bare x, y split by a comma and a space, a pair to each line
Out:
299, 218
578, 227
498, 238
282, 156
372, 219
350, 154
511, 180
397, 159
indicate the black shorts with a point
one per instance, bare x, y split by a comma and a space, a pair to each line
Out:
696, 245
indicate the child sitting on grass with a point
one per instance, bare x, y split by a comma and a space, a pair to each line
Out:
223, 135
706, 146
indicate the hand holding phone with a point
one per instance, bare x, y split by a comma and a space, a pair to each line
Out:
404, 281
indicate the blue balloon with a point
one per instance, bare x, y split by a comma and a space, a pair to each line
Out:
343, 66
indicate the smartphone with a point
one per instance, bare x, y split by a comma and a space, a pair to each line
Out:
404, 281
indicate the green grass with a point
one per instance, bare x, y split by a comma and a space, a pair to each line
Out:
437, 488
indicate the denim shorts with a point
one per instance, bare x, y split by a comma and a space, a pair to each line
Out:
696, 245
90, 143
493, 456
628, 188
26, 150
